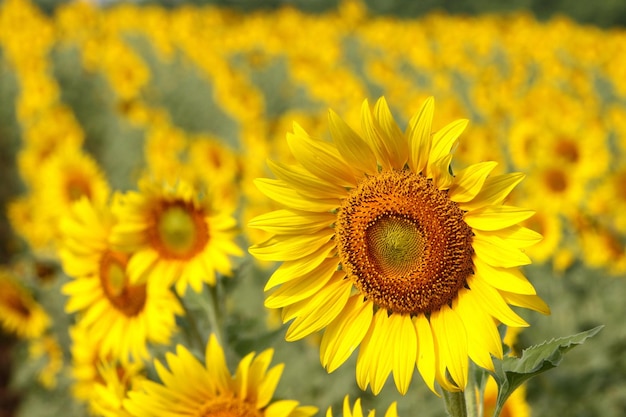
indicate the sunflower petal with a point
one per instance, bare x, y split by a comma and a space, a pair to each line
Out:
282, 193
506, 279
291, 270
394, 139
496, 217
321, 159
452, 343
498, 252
494, 191
292, 221
354, 150
306, 183
531, 301
419, 136
425, 359
517, 236
290, 248
469, 181
345, 333
373, 136
443, 142
404, 340
440, 170
494, 304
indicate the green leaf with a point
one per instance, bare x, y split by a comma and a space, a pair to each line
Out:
512, 372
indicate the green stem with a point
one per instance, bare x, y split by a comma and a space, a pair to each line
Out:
213, 312
455, 403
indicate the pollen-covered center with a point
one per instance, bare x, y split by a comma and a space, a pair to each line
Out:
228, 407
180, 230
126, 298
395, 245
404, 243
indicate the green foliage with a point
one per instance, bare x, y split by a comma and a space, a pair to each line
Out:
513, 372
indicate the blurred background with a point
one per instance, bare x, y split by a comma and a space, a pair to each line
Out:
93, 95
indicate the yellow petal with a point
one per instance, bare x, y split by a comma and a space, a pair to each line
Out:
517, 236
290, 248
346, 332
302, 287
373, 136
403, 341
494, 191
397, 146
492, 302
321, 309
482, 332
354, 150
216, 365
378, 360
451, 338
531, 301
321, 159
443, 141
268, 386
282, 408
292, 221
497, 252
440, 170
469, 181
282, 193
496, 217
507, 279
305, 183
291, 270
425, 359
419, 136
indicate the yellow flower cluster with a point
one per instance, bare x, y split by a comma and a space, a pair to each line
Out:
554, 112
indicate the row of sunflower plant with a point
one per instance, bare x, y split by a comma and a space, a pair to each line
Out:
153, 155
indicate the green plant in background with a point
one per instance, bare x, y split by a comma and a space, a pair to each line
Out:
142, 130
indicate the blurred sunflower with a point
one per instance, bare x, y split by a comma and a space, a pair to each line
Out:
357, 411
388, 250
100, 382
122, 316
515, 405
176, 237
189, 388
19, 312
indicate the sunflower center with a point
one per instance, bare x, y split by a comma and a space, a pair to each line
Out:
126, 298
77, 187
180, 231
404, 243
568, 150
14, 301
556, 180
395, 245
228, 407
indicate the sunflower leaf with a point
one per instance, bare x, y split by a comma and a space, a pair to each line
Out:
512, 372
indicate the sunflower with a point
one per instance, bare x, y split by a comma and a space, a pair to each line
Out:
387, 250
19, 312
123, 317
175, 236
191, 389
100, 382
357, 411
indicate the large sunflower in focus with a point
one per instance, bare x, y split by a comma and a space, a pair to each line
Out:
387, 250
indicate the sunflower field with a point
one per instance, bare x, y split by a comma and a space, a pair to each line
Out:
283, 212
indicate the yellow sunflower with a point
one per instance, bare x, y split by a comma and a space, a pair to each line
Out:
387, 250
19, 312
123, 317
357, 411
174, 236
190, 388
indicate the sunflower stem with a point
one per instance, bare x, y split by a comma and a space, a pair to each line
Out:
455, 403
213, 312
